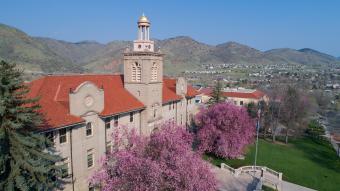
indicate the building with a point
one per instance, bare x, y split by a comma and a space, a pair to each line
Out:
81, 111
238, 96
204, 94
241, 96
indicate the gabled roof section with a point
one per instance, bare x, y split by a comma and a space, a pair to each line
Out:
205, 91
169, 90
54, 97
170, 84
191, 91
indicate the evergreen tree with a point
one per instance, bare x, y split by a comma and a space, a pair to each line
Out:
217, 95
26, 159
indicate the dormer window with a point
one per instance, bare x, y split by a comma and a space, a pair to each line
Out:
136, 72
154, 72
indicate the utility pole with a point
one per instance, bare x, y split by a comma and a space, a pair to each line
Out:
257, 136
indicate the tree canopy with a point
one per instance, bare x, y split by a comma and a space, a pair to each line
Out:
224, 130
25, 160
162, 161
217, 95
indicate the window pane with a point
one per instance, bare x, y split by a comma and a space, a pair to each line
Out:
131, 117
50, 136
62, 135
89, 160
116, 120
107, 125
88, 129
108, 147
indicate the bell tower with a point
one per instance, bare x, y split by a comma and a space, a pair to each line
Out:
143, 74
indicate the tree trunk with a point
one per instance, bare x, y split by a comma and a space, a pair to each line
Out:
287, 136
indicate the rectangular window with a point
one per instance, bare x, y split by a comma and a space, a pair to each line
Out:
108, 124
108, 147
115, 121
64, 170
50, 136
62, 136
241, 102
131, 116
89, 129
90, 159
181, 119
91, 188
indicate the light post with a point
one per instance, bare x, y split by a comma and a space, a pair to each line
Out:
257, 135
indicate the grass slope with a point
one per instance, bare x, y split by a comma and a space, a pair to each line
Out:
303, 161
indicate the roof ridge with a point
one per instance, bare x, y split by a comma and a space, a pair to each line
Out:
57, 92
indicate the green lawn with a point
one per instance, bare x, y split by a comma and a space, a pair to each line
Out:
303, 161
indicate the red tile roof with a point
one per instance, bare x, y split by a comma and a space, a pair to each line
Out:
169, 90
170, 83
54, 96
257, 94
191, 91
205, 91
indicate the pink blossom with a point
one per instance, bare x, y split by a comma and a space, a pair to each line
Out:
224, 129
162, 161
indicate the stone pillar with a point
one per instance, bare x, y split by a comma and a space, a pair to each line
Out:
142, 33
139, 33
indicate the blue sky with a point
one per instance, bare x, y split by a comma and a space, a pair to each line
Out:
262, 24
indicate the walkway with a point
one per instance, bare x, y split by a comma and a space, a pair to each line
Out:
228, 182
287, 186
331, 126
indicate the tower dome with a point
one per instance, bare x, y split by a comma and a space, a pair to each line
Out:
143, 21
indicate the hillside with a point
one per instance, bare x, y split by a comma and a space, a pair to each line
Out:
16, 46
181, 53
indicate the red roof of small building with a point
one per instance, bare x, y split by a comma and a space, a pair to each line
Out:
206, 91
257, 94
54, 96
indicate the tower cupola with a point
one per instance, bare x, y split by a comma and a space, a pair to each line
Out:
143, 42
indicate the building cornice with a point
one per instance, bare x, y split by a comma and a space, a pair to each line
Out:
143, 53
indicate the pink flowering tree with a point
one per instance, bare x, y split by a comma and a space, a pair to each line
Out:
162, 161
224, 130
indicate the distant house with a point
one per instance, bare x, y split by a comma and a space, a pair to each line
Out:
238, 96
244, 96
204, 94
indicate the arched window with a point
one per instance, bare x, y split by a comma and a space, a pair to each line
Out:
154, 72
136, 72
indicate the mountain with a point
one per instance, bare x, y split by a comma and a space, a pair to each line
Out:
304, 56
16, 46
181, 53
